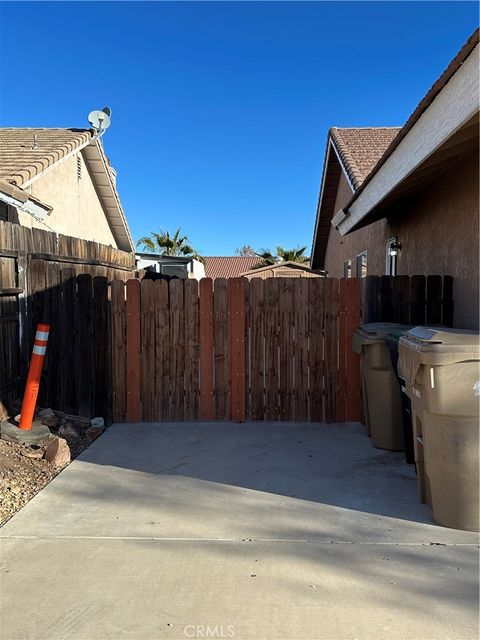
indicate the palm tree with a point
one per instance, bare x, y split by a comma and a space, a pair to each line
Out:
167, 245
246, 250
266, 257
282, 255
292, 255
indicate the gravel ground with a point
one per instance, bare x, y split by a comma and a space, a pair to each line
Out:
24, 472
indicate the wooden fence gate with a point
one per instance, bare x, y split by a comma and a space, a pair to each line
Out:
274, 349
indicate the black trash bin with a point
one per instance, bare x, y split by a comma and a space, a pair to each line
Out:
392, 344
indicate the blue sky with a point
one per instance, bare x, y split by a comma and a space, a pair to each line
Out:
221, 110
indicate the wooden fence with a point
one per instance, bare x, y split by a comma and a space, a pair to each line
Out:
276, 349
414, 300
35, 267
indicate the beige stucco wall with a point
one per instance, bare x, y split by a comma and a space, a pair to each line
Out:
439, 232
77, 210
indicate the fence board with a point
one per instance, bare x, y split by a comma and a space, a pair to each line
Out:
401, 299
342, 349
134, 413
447, 301
220, 305
272, 409
257, 349
162, 350
102, 352
69, 340
177, 353
147, 353
236, 299
331, 348
371, 299
119, 351
315, 353
191, 350
54, 360
352, 359
434, 300
207, 400
286, 306
301, 350
85, 345
417, 300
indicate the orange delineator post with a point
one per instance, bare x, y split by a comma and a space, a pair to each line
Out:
34, 375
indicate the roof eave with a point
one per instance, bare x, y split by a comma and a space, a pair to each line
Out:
108, 194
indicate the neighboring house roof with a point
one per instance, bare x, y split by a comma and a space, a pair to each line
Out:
26, 153
228, 266
355, 152
360, 148
459, 110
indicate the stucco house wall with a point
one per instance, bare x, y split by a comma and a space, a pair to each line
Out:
439, 231
371, 238
77, 211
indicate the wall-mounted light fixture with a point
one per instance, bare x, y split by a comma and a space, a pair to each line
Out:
395, 247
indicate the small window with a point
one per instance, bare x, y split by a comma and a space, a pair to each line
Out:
362, 265
79, 168
390, 258
347, 269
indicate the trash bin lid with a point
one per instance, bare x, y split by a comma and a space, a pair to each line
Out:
435, 346
374, 332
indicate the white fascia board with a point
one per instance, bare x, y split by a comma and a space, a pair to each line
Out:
320, 197
339, 158
330, 145
113, 207
456, 103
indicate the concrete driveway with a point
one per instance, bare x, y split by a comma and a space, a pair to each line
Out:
246, 531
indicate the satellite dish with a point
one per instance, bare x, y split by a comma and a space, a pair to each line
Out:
100, 120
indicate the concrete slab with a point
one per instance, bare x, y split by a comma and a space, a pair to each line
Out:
257, 530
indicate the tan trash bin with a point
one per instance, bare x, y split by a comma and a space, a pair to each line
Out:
381, 400
441, 368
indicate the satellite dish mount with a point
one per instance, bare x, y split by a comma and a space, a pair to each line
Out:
100, 120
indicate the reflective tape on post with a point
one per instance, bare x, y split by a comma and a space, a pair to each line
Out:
34, 375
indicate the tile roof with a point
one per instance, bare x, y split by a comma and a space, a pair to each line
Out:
26, 152
360, 148
228, 266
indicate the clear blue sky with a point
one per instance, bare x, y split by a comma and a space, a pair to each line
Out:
221, 110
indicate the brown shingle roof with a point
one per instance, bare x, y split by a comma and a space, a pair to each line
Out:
361, 148
24, 153
228, 266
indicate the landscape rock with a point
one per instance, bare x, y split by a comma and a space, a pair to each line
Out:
67, 430
32, 453
58, 452
48, 418
97, 422
93, 432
